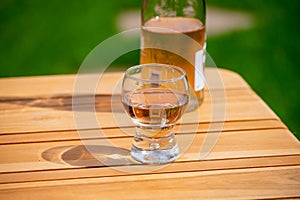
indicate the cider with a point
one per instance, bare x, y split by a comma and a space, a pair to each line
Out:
168, 36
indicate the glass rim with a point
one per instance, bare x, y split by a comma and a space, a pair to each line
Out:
181, 76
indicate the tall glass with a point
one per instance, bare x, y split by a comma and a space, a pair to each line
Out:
163, 21
155, 97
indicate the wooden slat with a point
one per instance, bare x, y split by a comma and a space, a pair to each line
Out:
183, 166
102, 100
70, 154
33, 119
273, 182
60, 85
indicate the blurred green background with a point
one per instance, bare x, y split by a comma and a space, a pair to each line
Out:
53, 37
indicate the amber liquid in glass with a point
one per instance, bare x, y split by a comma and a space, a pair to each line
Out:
155, 111
155, 106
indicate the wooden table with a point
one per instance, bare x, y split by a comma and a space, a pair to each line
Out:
43, 152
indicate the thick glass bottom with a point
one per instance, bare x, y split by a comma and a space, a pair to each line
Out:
155, 156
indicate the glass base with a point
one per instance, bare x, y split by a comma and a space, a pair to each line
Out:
155, 156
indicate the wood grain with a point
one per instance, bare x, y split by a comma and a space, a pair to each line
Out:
72, 154
36, 119
273, 182
46, 154
61, 85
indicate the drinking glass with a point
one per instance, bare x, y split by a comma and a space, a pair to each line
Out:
155, 97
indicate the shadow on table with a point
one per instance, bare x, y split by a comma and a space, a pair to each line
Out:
81, 156
102, 103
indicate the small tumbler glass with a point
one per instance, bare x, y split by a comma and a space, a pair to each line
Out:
155, 97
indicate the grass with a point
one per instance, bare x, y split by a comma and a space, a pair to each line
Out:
267, 55
54, 37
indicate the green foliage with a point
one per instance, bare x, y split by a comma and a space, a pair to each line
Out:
267, 55
53, 37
